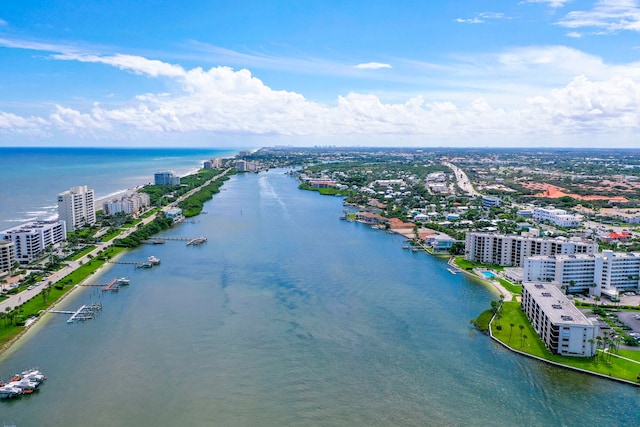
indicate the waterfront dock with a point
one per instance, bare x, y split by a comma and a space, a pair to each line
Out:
150, 262
189, 240
112, 286
85, 312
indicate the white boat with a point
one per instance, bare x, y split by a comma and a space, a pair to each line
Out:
197, 241
153, 260
34, 375
24, 384
123, 281
452, 271
8, 392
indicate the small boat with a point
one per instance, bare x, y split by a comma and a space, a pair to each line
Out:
452, 271
34, 375
7, 392
123, 281
197, 241
153, 260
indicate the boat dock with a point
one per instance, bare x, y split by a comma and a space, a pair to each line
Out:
85, 312
150, 262
114, 285
190, 240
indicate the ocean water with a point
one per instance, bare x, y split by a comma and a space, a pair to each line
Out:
289, 316
33, 177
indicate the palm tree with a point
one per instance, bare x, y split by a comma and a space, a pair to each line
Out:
598, 343
521, 328
591, 341
511, 331
524, 339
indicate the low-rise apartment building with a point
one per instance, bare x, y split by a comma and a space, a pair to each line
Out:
130, 204
512, 249
561, 326
31, 239
559, 217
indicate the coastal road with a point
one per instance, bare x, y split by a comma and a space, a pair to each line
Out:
18, 299
463, 179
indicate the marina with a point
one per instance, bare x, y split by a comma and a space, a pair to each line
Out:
21, 384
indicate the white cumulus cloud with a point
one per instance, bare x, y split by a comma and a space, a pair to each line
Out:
372, 66
224, 101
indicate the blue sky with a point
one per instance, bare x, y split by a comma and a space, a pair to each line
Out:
253, 73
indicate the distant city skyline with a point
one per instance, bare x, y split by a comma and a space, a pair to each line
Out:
219, 74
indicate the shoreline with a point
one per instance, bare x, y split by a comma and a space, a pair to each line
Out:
560, 365
494, 284
15, 342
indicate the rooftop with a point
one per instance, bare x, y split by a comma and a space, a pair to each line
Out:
555, 304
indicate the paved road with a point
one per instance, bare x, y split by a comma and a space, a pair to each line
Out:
16, 300
463, 180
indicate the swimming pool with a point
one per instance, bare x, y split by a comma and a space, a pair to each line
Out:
488, 274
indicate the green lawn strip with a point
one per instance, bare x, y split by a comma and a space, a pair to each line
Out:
470, 265
111, 234
80, 254
630, 354
513, 288
149, 213
512, 314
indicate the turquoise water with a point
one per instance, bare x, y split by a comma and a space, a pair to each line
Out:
488, 274
33, 177
289, 316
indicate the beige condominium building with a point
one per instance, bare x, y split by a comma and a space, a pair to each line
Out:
512, 249
562, 327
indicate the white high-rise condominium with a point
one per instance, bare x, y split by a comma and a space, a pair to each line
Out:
76, 207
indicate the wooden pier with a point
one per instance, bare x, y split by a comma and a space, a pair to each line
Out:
112, 286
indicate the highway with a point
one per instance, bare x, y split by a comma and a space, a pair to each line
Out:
463, 180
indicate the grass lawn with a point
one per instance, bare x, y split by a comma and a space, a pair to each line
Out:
513, 288
80, 254
469, 265
109, 236
514, 337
